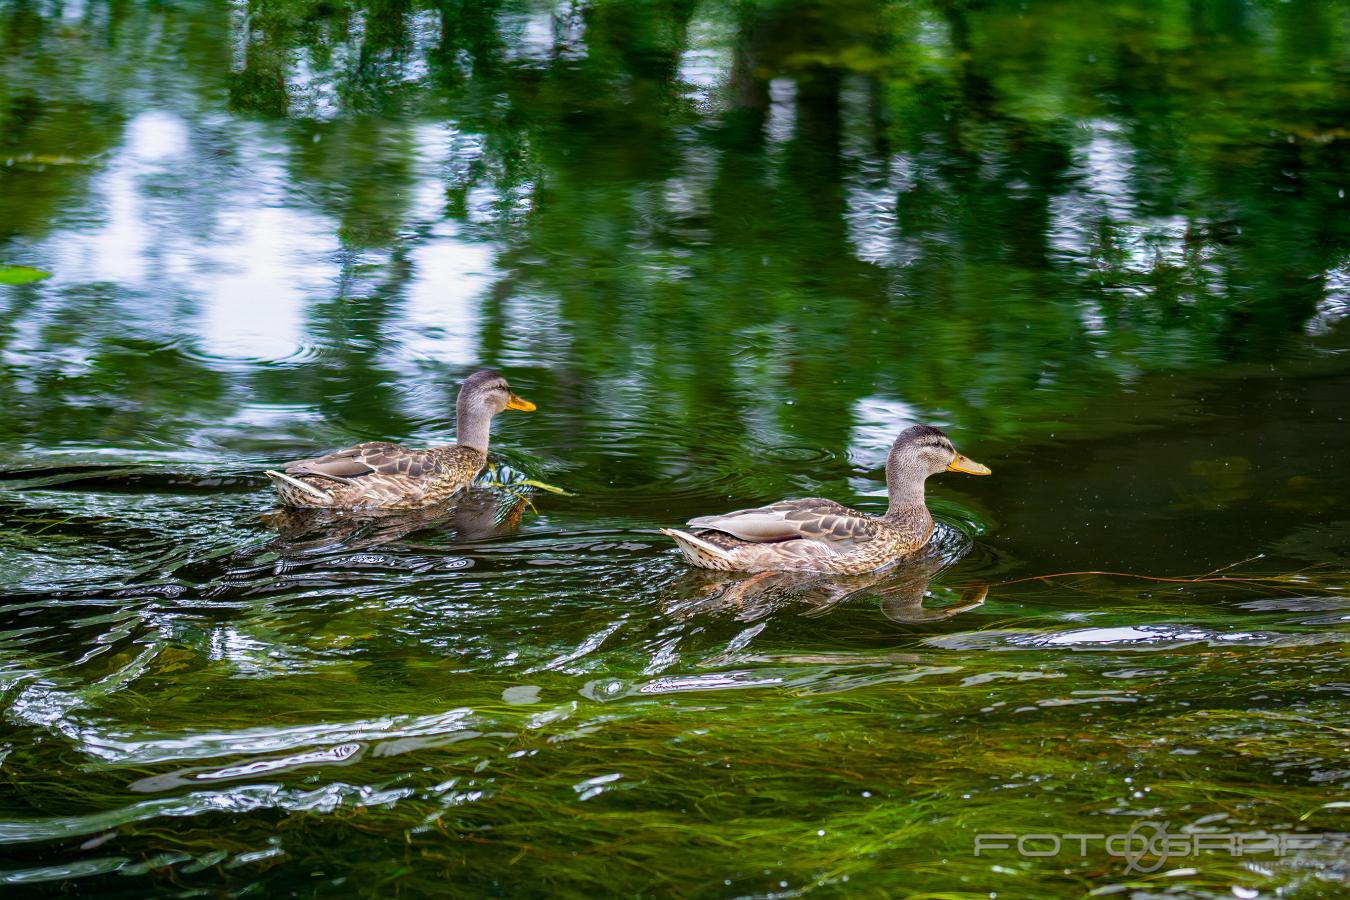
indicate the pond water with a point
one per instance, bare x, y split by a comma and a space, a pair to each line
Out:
730, 249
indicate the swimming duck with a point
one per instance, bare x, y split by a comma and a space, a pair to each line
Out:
818, 535
378, 474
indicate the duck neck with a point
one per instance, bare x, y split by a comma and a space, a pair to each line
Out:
472, 424
904, 486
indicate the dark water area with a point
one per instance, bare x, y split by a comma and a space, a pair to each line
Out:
730, 250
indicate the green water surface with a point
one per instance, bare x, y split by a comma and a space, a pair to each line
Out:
730, 248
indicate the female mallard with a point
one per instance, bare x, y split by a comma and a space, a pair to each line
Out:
378, 474
816, 535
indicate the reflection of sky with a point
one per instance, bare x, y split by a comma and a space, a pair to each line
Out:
1334, 306
874, 186
1146, 638
269, 263
1105, 167
155, 143
782, 120
876, 422
440, 318
539, 35
705, 63
233, 271
1102, 164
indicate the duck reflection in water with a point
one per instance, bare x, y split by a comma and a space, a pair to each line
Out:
901, 588
475, 514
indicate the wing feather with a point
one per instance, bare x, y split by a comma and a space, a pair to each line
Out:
813, 519
370, 458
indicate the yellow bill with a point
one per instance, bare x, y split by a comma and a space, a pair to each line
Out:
965, 464
519, 403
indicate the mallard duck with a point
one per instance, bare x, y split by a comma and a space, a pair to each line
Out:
378, 474
817, 535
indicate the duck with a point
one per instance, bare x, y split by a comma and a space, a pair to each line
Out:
814, 534
383, 475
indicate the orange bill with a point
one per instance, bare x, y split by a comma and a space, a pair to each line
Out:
520, 404
965, 464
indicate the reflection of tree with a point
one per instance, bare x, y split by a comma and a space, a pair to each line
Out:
260, 86
928, 202
469, 26
127, 390
42, 127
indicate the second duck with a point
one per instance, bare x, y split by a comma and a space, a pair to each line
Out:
818, 535
381, 475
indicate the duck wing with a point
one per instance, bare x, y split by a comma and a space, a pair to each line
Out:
811, 519
370, 458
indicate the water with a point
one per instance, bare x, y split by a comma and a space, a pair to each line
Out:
729, 250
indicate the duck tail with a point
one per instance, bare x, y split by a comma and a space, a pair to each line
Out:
287, 486
699, 552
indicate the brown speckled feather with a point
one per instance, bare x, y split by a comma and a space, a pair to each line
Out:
812, 534
812, 518
381, 474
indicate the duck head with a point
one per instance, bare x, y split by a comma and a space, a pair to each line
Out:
482, 395
921, 451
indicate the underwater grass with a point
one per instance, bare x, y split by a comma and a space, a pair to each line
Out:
898, 777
